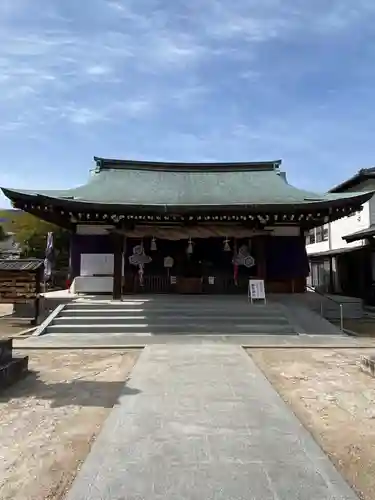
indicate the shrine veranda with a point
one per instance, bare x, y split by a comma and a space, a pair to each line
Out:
155, 227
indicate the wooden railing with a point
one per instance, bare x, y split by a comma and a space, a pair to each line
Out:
223, 284
151, 284
161, 284
154, 284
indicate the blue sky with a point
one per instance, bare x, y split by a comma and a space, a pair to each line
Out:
212, 80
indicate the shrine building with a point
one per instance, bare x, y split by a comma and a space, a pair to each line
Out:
156, 227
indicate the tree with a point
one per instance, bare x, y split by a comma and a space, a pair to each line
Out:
3, 234
31, 234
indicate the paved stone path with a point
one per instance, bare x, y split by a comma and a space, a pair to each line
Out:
203, 423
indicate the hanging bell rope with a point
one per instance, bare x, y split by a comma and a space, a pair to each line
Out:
153, 247
189, 249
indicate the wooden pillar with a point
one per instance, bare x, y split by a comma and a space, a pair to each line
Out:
38, 276
74, 256
118, 245
261, 257
331, 276
124, 249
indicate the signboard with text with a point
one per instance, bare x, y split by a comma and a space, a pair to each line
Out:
256, 290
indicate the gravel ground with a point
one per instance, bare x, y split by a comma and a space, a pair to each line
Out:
49, 420
334, 399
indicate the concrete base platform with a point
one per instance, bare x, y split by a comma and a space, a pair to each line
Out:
48, 302
203, 423
125, 342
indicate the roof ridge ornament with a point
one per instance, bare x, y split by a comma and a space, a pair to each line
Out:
211, 166
98, 164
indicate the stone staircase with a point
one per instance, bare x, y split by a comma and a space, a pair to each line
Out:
169, 315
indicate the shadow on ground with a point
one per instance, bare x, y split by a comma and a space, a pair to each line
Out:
89, 393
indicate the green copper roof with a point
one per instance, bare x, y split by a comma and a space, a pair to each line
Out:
153, 184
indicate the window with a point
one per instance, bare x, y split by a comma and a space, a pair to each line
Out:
322, 233
320, 275
310, 238
317, 235
312, 235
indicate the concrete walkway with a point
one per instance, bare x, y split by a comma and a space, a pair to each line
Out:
203, 423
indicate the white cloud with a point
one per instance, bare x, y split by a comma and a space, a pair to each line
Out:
10, 8
128, 58
117, 6
250, 74
136, 107
11, 126
113, 110
40, 67
83, 116
341, 15
98, 70
189, 95
242, 20
177, 49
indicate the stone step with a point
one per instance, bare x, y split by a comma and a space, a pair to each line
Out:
176, 310
170, 328
171, 313
170, 316
112, 303
170, 303
167, 320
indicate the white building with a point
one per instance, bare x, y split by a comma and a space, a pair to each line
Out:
341, 252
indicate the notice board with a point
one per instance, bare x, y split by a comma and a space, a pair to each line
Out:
97, 264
